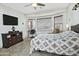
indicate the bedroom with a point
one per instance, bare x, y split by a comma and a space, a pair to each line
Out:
35, 20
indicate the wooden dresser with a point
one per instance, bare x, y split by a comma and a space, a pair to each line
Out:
11, 38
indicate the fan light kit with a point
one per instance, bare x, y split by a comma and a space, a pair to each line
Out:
35, 5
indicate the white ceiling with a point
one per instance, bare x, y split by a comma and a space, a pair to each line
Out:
30, 10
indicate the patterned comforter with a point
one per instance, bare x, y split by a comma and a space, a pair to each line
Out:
65, 43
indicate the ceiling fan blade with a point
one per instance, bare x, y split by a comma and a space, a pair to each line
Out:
28, 5
40, 4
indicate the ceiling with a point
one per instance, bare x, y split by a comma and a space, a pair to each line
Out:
30, 10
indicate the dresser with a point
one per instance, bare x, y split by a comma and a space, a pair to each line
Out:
11, 38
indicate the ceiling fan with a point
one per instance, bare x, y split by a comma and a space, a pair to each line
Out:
35, 5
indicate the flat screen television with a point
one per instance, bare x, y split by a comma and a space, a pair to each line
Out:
9, 20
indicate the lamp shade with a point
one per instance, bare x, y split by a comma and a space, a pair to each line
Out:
67, 25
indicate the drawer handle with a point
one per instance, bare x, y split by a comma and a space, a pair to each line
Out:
9, 39
10, 42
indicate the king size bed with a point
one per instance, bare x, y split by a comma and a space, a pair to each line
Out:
65, 43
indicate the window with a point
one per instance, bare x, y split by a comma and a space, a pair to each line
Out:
58, 23
44, 25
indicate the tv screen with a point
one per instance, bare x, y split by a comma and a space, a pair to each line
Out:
10, 20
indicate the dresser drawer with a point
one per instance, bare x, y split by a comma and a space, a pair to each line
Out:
10, 39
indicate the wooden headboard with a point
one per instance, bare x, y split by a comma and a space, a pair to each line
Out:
75, 28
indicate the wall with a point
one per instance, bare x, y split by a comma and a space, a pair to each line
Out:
72, 16
22, 22
52, 14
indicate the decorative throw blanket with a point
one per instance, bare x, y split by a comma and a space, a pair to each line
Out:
65, 43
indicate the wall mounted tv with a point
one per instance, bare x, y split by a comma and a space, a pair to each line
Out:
9, 20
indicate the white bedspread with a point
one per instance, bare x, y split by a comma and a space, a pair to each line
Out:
65, 43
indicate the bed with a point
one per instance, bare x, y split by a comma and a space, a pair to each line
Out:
65, 43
